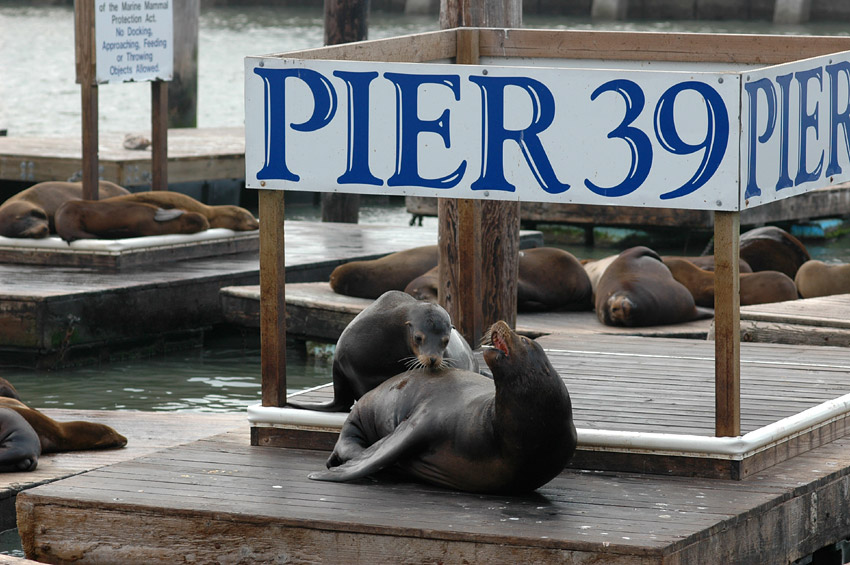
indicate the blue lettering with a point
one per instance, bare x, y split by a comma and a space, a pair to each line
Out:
784, 120
324, 98
357, 157
638, 142
752, 89
494, 134
807, 121
837, 119
409, 126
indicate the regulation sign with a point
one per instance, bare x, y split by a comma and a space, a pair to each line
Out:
133, 40
672, 139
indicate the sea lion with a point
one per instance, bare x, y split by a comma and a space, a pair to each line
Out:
548, 279
706, 262
393, 334
551, 279
20, 446
461, 430
65, 436
595, 268
105, 219
773, 249
227, 216
374, 277
25, 213
816, 278
755, 288
637, 289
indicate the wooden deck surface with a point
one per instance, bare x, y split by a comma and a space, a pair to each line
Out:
146, 432
666, 385
194, 154
314, 311
221, 500
824, 320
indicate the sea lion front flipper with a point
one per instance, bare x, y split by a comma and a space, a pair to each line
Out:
163, 215
380, 455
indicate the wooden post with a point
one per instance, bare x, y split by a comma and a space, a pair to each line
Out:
727, 324
272, 299
478, 239
183, 89
85, 50
345, 21
159, 135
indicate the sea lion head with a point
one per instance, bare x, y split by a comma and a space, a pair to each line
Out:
429, 329
23, 219
234, 218
619, 310
513, 355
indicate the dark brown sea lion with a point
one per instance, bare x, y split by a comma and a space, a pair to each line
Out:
461, 430
755, 288
548, 279
773, 249
105, 219
637, 289
595, 268
29, 212
372, 278
816, 278
393, 334
227, 216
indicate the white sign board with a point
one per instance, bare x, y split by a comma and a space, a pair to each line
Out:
669, 139
133, 40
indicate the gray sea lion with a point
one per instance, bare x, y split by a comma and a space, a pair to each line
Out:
230, 217
637, 289
25, 213
755, 288
773, 249
106, 219
19, 443
393, 334
816, 278
372, 278
460, 430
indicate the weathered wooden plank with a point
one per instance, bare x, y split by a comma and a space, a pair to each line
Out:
418, 48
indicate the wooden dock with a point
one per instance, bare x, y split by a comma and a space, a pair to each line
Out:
64, 315
824, 320
146, 432
828, 202
221, 500
194, 154
316, 312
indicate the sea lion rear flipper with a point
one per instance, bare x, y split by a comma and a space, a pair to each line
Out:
380, 455
703, 313
163, 215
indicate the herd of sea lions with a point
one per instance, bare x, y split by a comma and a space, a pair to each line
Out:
58, 208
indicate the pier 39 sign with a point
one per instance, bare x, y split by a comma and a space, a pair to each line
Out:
724, 140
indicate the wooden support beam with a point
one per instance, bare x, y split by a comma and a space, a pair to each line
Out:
727, 323
791, 11
272, 298
609, 9
183, 89
159, 135
85, 51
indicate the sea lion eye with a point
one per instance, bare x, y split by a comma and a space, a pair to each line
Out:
445, 341
419, 338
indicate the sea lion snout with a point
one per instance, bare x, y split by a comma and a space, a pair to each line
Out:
620, 309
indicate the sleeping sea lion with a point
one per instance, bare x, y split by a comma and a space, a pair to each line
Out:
30, 212
461, 430
20, 446
637, 289
773, 249
706, 262
230, 217
755, 288
372, 278
105, 219
393, 334
816, 278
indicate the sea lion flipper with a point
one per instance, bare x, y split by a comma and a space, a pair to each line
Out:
380, 455
163, 215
